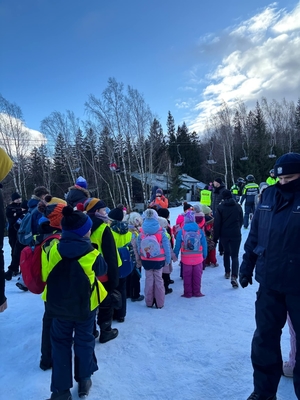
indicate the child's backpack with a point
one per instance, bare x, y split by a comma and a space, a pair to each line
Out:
127, 264
150, 246
69, 291
191, 241
31, 266
176, 228
25, 235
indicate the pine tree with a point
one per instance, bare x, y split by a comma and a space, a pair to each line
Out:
61, 177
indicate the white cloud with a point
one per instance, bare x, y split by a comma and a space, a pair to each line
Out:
259, 57
11, 128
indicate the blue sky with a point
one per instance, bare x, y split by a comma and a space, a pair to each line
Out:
184, 56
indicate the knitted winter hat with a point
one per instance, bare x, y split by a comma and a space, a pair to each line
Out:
219, 180
206, 209
197, 208
163, 212
40, 191
53, 212
189, 216
262, 186
150, 213
116, 214
159, 192
287, 164
75, 221
54, 200
187, 206
93, 204
135, 219
162, 222
80, 181
226, 194
15, 196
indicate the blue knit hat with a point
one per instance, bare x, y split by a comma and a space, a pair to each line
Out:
288, 164
80, 181
75, 221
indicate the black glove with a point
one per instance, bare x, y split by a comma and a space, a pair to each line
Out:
245, 280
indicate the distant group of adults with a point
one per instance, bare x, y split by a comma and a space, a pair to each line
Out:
271, 248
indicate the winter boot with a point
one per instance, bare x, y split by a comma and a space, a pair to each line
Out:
140, 298
106, 332
234, 282
63, 395
168, 290
255, 396
21, 285
8, 275
84, 387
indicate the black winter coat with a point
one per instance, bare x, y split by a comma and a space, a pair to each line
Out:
13, 213
217, 197
2, 228
228, 220
273, 242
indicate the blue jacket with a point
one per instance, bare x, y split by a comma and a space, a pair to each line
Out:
273, 242
151, 226
35, 214
192, 226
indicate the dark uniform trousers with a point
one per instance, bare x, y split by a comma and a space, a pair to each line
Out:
271, 309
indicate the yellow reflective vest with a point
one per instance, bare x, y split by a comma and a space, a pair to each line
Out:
87, 261
205, 197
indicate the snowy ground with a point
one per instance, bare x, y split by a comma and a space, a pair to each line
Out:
192, 349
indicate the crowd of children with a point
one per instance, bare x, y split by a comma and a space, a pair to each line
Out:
94, 264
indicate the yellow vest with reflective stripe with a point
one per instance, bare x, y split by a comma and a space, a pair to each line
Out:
205, 197
96, 237
86, 262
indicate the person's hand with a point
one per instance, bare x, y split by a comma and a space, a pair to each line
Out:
3, 306
245, 280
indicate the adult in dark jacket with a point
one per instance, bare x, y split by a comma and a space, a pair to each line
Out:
219, 186
13, 213
78, 193
3, 302
227, 229
5, 166
273, 248
39, 193
13, 268
250, 191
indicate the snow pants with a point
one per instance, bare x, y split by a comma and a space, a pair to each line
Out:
231, 251
271, 308
211, 257
154, 287
192, 275
46, 352
84, 356
121, 312
133, 286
